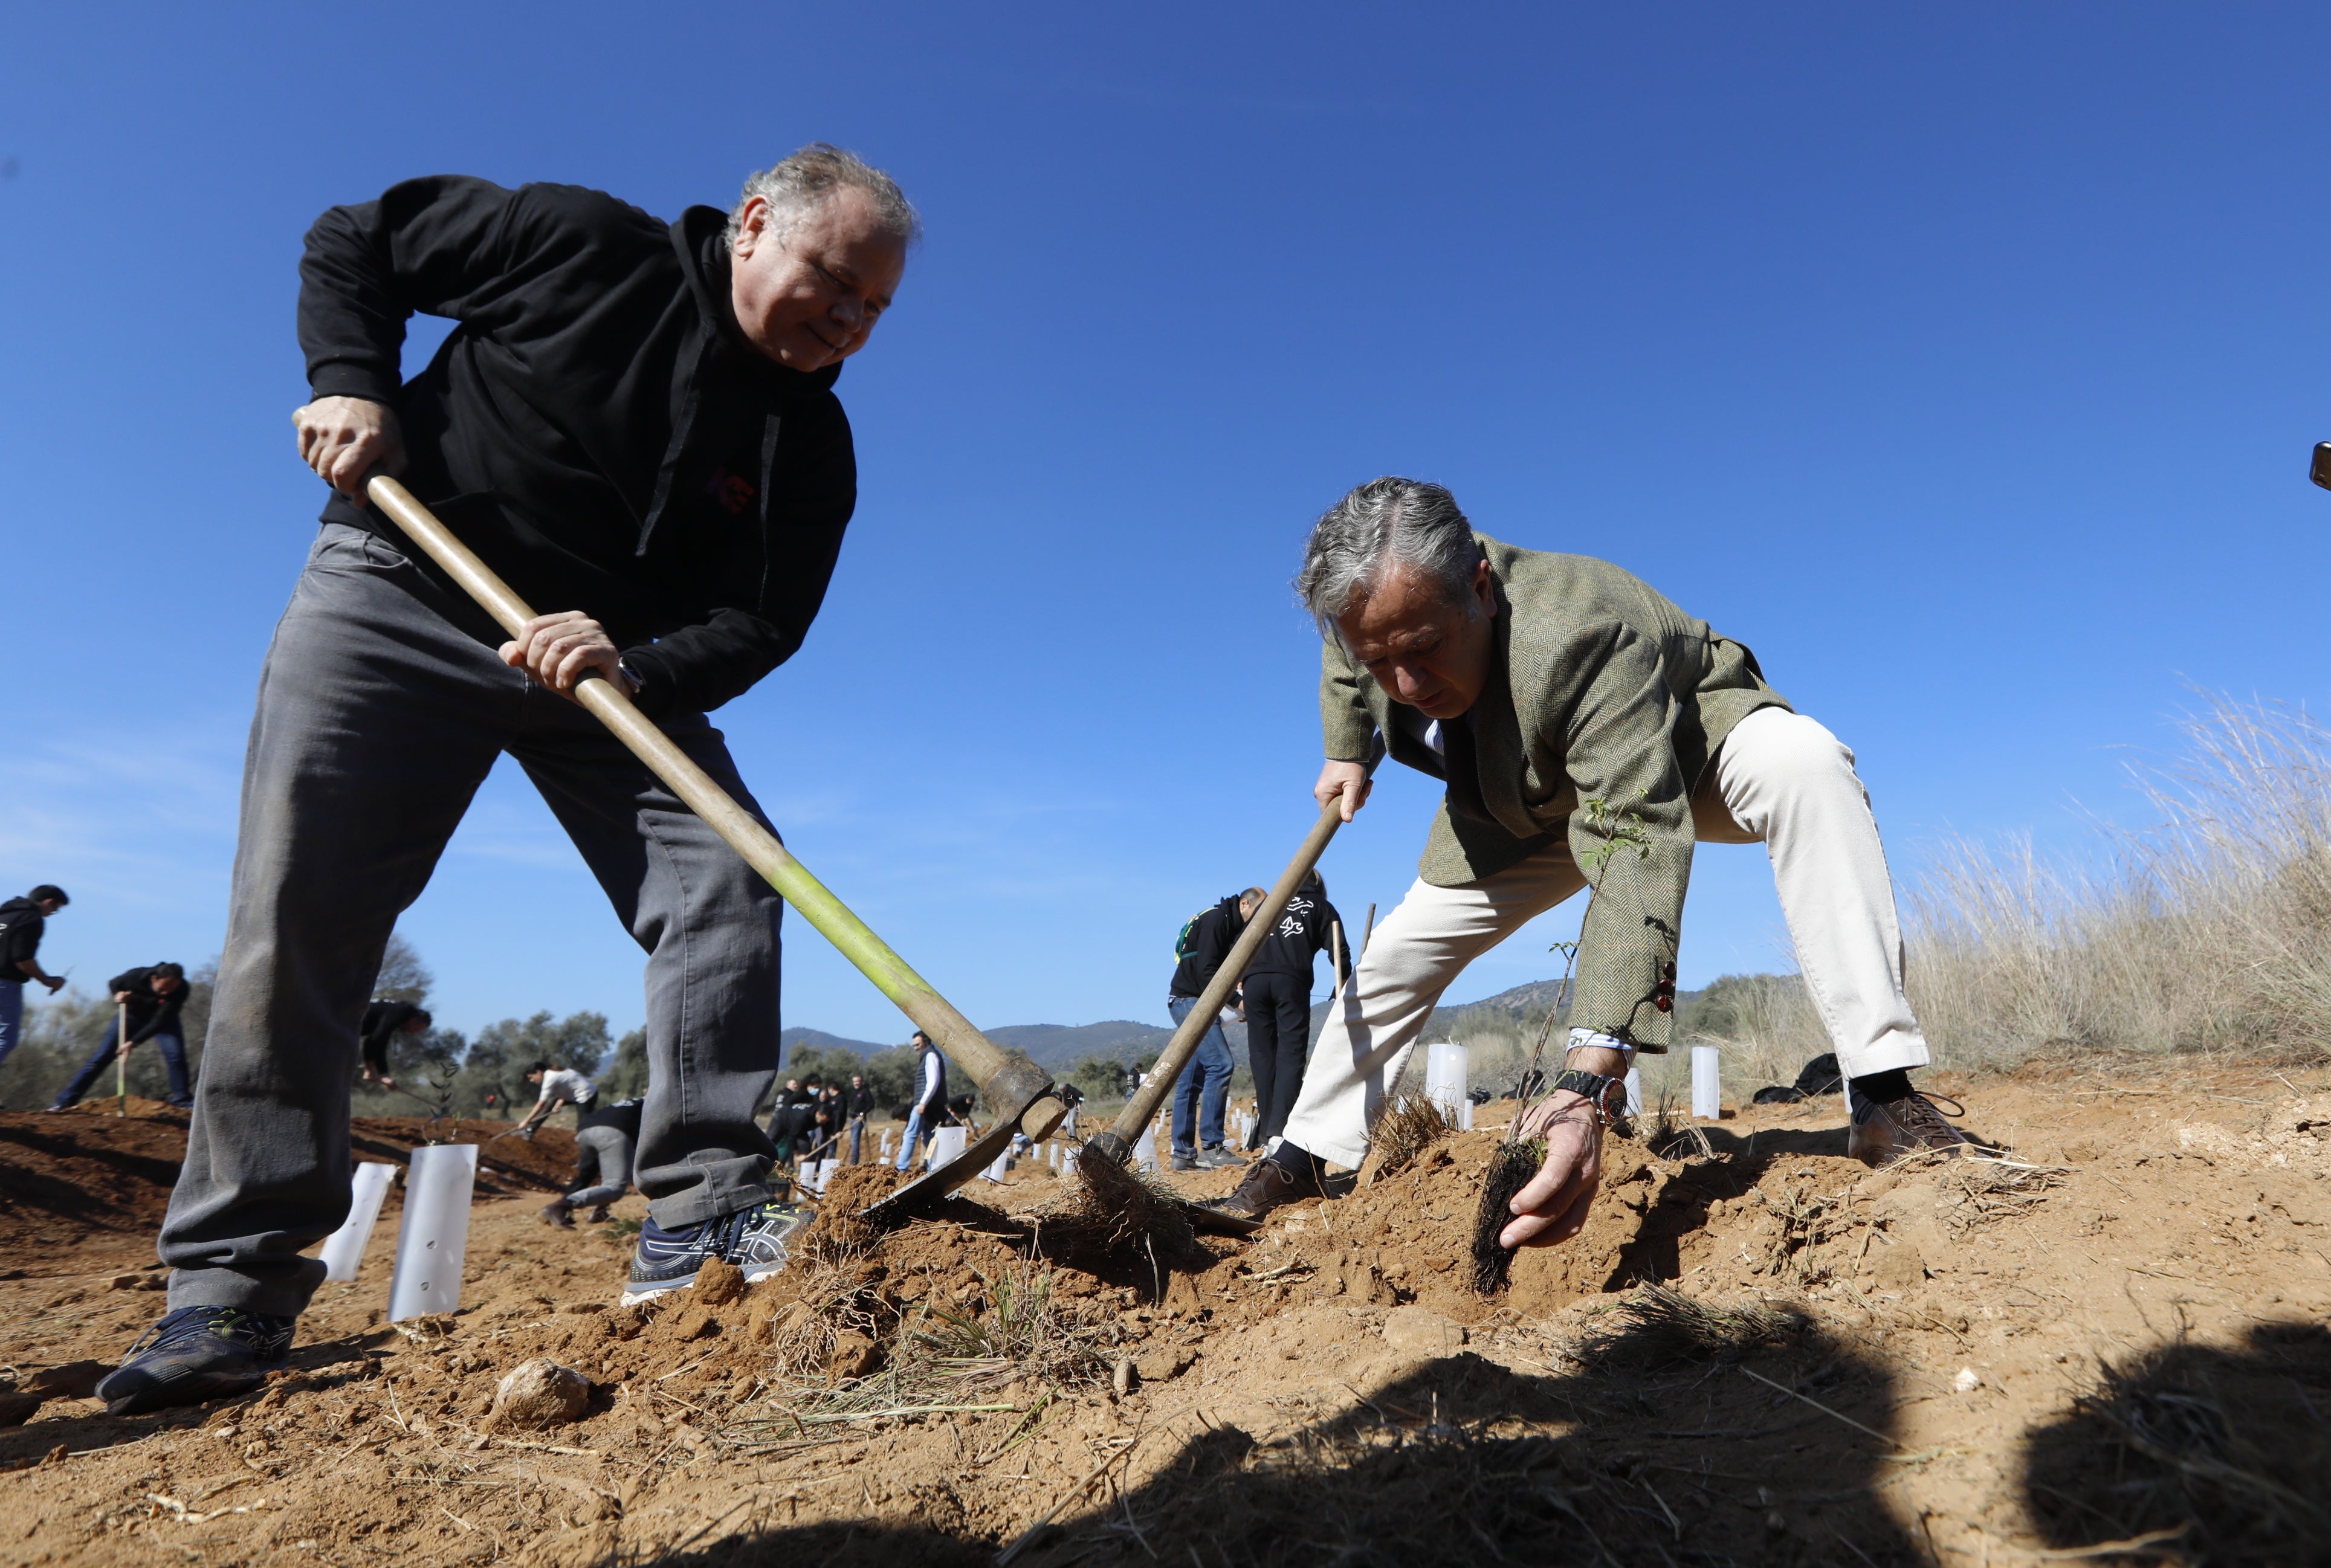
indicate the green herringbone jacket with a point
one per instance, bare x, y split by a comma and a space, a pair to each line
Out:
1599, 688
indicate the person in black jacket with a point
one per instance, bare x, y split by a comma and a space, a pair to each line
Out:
1204, 1088
22, 922
634, 423
382, 1022
149, 1000
1278, 1002
857, 1105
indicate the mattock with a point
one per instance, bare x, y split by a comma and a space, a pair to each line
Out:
1021, 1091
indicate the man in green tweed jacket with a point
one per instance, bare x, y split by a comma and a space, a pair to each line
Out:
1589, 732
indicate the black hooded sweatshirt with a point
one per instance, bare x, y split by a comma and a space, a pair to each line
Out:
150, 1014
21, 925
1299, 937
1210, 943
597, 427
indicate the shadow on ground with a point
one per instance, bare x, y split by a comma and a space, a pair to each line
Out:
1668, 1451
2218, 1456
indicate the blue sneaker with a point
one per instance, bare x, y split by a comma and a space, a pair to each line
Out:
753, 1239
197, 1353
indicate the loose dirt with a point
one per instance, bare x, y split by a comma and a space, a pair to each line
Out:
2116, 1338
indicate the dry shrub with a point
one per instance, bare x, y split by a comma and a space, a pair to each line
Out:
1414, 1125
1659, 1323
2210, 930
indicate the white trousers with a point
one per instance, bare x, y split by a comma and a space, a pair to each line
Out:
1781, 780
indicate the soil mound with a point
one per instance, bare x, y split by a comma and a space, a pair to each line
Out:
85, 1189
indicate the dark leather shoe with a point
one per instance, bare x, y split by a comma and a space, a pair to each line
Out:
558, 1211
1268, 1184
1885, 1131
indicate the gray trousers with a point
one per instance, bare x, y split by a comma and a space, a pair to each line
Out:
607, 1153
381, 707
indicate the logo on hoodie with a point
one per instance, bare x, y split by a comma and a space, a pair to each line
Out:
731, 493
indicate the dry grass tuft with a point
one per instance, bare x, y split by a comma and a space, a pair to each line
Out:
1979, 1189
1414, 1125
1023, 1333
1660, 1323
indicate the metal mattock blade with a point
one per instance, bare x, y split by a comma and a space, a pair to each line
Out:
922, 1196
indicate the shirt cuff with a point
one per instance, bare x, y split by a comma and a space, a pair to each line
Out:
1581, 1038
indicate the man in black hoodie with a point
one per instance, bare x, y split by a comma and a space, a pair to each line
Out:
22, 922
634, 423
151, 999
1204, 1089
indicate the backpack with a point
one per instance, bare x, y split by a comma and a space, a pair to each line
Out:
1190, 926
1181, 942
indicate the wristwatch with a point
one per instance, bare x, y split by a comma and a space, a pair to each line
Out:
631, 677
1607, 1095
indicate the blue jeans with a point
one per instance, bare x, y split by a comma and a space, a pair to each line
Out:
12, 1016
918, 1129
1205, 1085
173, 1059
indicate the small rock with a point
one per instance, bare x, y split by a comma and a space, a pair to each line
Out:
1898, 1268
697, 1322
854, 1355
1121, 1376
582, 1307
124, 1282
719, 1282
1967, 1381
1421, 1331
1162, 1363
540, 1393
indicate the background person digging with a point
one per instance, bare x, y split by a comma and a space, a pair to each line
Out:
152, 998
1578, 719
382, 1022
634, 421
1203, 1091
604, 1137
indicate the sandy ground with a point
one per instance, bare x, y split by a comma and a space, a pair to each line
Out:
2117, 1342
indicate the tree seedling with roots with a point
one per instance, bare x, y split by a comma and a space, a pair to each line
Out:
1517, 1159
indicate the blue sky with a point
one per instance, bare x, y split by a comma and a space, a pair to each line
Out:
1962, 361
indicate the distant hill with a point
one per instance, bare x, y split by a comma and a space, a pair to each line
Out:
1063, 1045
790, 1038
1053, 1045
1060, 1045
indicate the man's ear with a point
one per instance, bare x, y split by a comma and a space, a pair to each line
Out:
752, 227
1485, 586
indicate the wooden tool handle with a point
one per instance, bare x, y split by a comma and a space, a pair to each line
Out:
1201, 1016
949, 1029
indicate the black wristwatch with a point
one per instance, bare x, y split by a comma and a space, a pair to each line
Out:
1607, 1095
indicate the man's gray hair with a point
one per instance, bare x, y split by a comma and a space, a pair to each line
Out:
801, 182
1382, 521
